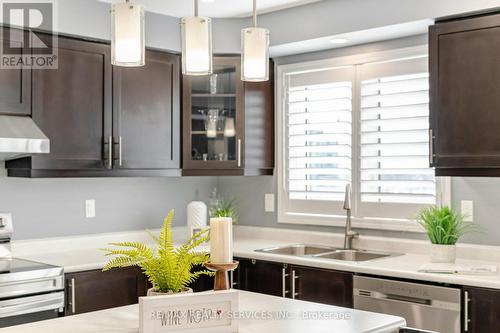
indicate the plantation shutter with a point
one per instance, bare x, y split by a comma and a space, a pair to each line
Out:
394, 141
319, 137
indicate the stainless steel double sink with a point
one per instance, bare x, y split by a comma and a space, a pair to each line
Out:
327, 252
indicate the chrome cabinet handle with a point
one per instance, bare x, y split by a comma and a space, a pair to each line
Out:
466, 311
284, 275
231, 277
119, 143
431, 147
239, 153
72, 302
110, 152
294, 277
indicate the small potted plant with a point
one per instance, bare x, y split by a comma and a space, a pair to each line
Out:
225, 208
169, 269
444, 228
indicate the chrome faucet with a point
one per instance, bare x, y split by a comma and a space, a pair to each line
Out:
349, 234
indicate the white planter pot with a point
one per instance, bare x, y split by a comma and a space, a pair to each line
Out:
152, 292
443, 253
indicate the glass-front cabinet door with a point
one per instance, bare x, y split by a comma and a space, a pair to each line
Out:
213, 117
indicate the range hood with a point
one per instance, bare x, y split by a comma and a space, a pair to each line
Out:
20, 136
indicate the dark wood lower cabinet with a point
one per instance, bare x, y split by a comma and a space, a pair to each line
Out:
203, 283
264, 277
482, 310
303, 283
96, 290
322, 286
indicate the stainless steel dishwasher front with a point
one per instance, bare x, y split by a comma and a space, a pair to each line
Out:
423, 306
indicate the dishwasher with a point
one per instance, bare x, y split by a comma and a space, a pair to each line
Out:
425, 307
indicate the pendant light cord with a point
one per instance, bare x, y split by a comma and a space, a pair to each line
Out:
254, 13
196, 8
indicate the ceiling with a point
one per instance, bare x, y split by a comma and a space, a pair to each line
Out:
395, 31
215, 8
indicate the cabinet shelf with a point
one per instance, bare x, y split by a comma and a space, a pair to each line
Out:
214, 95
205, 133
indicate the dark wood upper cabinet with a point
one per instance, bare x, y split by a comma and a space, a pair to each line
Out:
104, 121
465, 103
259, 124
323, 286
146, 113
15, 84
228, 125
96, 290
72, 106
483, 307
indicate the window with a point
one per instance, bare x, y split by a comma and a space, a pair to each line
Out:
361, 122
319, 140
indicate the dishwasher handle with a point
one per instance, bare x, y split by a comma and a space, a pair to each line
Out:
407, 299
394, 297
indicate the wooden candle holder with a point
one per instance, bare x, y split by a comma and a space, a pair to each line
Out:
221, 276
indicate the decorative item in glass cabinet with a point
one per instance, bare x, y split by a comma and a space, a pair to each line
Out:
196, 44
127, 41
229, 129
255, 51
213, 84
212, 120
221, 121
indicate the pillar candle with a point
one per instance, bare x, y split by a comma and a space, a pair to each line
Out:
221, 240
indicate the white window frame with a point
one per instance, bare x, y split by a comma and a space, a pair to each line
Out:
318, 216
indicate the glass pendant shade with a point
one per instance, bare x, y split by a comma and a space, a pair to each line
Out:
196, 45
127, 42
255, 54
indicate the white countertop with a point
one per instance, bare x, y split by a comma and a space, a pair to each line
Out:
82, 253
126, 319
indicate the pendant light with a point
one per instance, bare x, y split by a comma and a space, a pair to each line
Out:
127, 42
255, 51
196, 44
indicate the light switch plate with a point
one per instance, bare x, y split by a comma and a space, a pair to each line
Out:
89, 208
269, 202
467, 210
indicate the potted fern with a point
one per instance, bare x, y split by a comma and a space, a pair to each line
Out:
444, 228
169, 269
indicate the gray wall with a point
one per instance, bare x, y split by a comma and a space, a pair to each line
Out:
324, 18
55, 207
485, 192
248, 193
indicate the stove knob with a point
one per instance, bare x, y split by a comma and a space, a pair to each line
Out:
3, 223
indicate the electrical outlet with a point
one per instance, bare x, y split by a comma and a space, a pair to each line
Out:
269, 202
89, 208
467, 210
